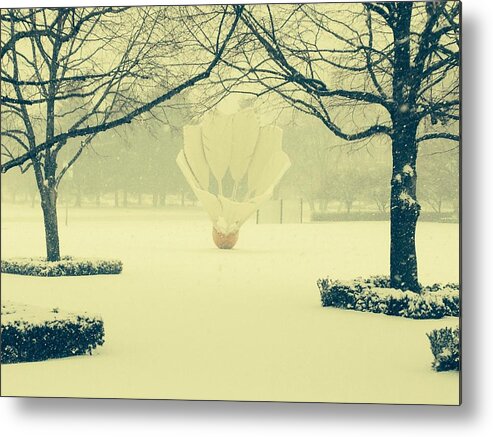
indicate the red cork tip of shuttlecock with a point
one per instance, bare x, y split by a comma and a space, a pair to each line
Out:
224, 241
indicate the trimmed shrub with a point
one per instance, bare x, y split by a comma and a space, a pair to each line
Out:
375, 295
445, 346
67, 266
36, 334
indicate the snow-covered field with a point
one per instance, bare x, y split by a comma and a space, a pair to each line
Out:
186, 320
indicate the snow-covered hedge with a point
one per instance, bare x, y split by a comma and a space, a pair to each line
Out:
426, 216
318, 216
31, 333
375, 295
445, 346
67, 266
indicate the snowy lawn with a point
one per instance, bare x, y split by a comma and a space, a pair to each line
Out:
186, 320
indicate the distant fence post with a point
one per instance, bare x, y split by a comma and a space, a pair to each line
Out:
257, 215
301, 210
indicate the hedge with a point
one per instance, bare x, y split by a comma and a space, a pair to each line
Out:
36, 334
424, 216
445, 346
375, 295
67, 266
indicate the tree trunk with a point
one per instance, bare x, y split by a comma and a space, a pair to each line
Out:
349, 205
125, 198
48, 205
404, 209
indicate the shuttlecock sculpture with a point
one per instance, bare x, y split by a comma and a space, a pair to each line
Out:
232, 164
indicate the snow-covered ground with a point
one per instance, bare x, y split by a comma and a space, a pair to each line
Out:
186, 320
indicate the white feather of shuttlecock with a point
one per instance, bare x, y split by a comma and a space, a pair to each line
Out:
235, 147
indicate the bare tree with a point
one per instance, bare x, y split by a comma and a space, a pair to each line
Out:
385, 70
68, 74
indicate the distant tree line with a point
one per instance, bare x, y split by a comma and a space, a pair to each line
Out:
135, 166
328, 173
128, 166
